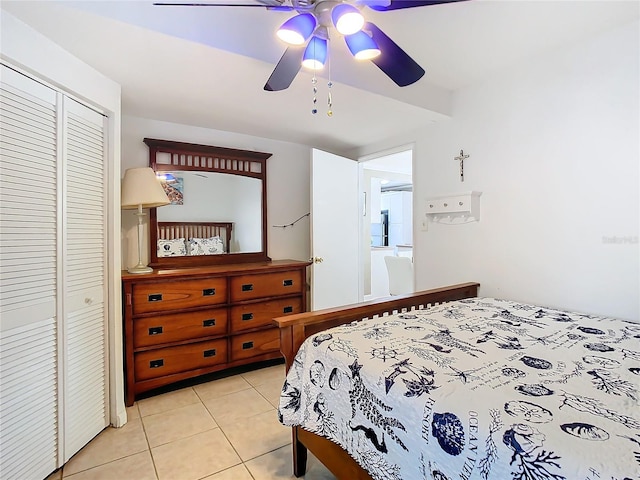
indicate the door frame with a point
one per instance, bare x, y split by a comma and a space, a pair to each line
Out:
364, 250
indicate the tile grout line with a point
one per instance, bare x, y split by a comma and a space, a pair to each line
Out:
62, 468
201, 401
155, 468
242, 462
225, 437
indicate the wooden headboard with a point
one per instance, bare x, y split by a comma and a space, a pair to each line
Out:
171, 230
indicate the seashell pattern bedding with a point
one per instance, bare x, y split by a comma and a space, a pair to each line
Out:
479, 388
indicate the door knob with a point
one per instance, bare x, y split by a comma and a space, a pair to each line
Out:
318, 259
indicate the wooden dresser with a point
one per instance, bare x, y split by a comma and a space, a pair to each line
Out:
181, 323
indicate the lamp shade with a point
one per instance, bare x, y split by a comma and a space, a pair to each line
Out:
315, 55
347, 18
298, 29
362, 46
140, 186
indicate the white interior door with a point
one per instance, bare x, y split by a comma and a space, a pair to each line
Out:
84, 342
28, 273
335, 227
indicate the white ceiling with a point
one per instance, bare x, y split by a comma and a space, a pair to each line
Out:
206, 66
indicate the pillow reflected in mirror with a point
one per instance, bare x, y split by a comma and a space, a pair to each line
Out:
206, 246
176, 247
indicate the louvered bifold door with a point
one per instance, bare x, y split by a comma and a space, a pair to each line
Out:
28, 323
85, 375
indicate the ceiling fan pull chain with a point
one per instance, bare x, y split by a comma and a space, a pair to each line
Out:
329, 85
314, 82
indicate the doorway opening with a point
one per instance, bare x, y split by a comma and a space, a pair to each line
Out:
386, 185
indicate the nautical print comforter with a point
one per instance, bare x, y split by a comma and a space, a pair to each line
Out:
475, 389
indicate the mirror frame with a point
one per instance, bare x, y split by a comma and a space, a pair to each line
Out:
206, 158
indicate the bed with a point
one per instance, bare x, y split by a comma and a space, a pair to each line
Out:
172, 231
442, 384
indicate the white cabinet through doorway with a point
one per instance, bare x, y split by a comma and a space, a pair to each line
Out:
399, 204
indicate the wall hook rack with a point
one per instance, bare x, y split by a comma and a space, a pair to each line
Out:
455, 208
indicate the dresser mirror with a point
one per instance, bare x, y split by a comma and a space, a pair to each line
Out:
218, 205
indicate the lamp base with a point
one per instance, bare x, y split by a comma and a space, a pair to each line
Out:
140, 269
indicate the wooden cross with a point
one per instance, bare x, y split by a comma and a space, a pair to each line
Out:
461, 158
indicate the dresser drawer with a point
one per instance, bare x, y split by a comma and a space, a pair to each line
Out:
249, 345
253, 315
181, 326
248, 287
165, 361
176, 295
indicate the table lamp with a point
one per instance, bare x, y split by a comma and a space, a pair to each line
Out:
141, 189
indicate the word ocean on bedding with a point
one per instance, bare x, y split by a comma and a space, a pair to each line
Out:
479, 388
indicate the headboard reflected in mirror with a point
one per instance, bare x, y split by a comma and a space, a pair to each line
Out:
219, 205
193, 238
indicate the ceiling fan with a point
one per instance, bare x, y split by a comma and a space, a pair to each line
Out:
307, 36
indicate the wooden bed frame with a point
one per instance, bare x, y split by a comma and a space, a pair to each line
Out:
171, 230
294, 329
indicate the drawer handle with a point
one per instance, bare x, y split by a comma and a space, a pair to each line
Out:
209, 353
155, 330
446, 204
287, 309
208, 292
247, 345
209, 323
287, 283
247, 287
247, 316
155, 297
156, 363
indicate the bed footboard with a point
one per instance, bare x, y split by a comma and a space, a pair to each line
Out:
294, 329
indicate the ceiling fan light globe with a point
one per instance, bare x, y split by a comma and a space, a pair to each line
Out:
312, 64
298, 29
347, 19
290, 37
315, 55
367, 54
362, 46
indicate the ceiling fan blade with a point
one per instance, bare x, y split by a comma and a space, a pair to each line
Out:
393, 60
286, 70
385, 5
268, 4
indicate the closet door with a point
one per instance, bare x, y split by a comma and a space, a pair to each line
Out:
53, 346
28, 278
84, 343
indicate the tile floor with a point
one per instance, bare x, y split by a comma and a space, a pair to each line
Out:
226, 429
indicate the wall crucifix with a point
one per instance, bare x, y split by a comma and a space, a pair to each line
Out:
461, 158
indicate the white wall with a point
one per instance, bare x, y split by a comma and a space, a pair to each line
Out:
554, 145
28, 50
287, 181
